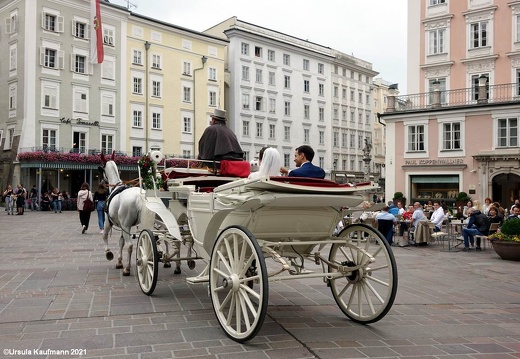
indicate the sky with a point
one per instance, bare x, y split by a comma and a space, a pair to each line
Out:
372, 30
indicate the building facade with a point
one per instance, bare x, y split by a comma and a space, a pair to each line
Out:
459, 132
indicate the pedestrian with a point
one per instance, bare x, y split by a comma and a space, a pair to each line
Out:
84, 216
33, 196
100, 198
8, 199
57, 199
21, 195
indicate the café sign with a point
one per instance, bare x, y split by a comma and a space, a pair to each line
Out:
78, 121
439, 162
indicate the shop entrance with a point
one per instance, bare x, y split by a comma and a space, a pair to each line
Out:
506, 188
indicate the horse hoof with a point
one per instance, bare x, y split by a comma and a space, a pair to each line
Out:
177, 271
167, 265
126, 274
109, 255
119, 266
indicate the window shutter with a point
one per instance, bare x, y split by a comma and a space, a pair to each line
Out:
74, 22
42, 56
53, 101
43, 20
61, 24
72, 61
61, 59
8, 25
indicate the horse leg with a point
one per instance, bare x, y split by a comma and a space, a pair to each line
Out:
108, 252
167, 264
126, 271
119, 263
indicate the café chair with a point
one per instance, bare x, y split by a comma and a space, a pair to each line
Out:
438, 236
483, 238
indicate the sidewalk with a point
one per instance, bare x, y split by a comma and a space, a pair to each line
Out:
58, 292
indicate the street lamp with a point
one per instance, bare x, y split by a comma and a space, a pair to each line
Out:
203, 59
146, 47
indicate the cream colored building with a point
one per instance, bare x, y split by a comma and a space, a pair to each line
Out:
174, 81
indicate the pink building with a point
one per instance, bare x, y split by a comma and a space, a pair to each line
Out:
458, 128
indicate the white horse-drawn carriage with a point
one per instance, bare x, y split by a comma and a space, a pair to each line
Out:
248, 233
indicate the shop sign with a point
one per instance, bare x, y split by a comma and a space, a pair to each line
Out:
78, 121
439, 162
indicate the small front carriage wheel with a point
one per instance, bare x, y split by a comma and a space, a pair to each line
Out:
366, 293
147, 261
236, 262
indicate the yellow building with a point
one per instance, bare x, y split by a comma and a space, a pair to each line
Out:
175, 80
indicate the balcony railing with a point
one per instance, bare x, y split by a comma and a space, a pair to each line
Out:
438, 99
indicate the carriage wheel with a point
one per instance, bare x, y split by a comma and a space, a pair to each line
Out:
366, 294
147, 261
236, 263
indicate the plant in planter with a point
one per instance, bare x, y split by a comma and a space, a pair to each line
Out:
507, 242
399, 197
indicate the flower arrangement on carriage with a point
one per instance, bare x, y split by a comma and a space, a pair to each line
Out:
147, 169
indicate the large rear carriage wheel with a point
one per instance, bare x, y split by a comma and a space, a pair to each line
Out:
238, 283
147, 261
366, 293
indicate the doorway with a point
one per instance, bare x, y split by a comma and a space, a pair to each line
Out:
506, 188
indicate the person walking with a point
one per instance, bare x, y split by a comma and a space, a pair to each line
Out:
100, 198
8, 198
84, 216
33, 196
21, 195
57, 199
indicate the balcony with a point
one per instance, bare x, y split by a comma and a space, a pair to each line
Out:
480, 95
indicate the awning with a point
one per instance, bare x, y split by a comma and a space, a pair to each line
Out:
435, 179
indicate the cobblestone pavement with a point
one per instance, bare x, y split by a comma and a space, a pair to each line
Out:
58, 292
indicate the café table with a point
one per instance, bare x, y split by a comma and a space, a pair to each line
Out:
455, 229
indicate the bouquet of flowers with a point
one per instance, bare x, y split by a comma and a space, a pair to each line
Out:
148, 173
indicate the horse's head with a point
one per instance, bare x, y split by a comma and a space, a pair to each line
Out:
109, 170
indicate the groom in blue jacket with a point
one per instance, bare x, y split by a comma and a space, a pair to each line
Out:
303, 156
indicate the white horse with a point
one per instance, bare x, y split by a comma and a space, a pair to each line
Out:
124, 206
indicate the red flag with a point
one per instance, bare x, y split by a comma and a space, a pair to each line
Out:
96, 33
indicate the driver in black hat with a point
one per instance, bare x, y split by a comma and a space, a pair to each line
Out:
218, 142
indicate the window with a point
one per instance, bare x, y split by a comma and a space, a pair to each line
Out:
335, 139
321, 89
245, 73
245, 101
212, 98
344, 93
286, 159
352, 116
186, 68
49, 139
360, 117
10, 24
51, 58
306, 86
517, 38
51, 22
107, 143
270, 55
156, 61
137, 151
244, 49
360, 97
80, 100
321, 69
12, 96
367, 118
258, 51
352, 165
352, 74
442, 88
107, 104
352, 142
367, 99
137, 57
287, 59
80, 64
478, 34
287, 108
336, 113
186, 94
507, 132
321, 114
437, 2
344, 140
287, 133
272, 79
436, 41
245, 128
79, 142
272, 105
212, 74
156, 121
138, 86
287, 81
156, 88
50, 95
108, 68
306, 64
306, 135
272, 131
343, 115
335, 69
451, 136
306, 111
321, 137
259, 103
475, 86
416, 138
79, 30
137, 118
13, 57
186, 124
258, 76
360, 142
108, 35
259, 129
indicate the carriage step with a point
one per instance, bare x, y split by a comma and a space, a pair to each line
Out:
198, 279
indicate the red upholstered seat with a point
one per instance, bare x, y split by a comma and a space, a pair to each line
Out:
316, 182
240, 169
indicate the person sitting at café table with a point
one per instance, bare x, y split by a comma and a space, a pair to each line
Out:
407, 217
386, 229
478, 224
501, 210
418, 214
392, 209
400, 209
515, 213
466, 208
437, 216
493, 216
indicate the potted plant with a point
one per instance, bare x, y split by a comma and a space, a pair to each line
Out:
506, 242
399, 197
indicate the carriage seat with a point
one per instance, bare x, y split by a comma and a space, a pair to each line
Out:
314, 182
240, 169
